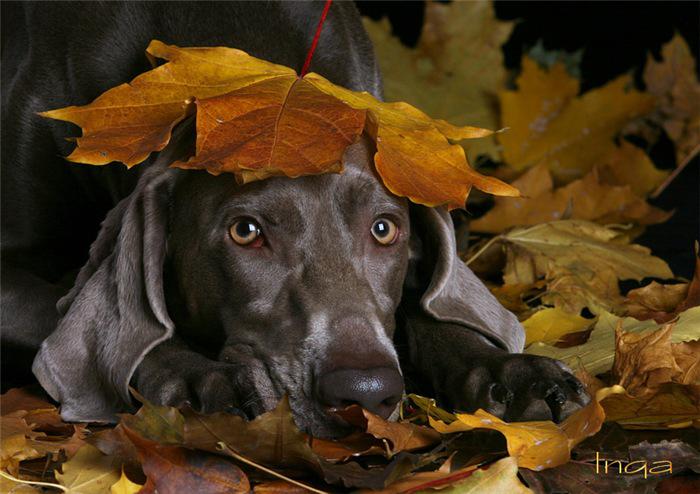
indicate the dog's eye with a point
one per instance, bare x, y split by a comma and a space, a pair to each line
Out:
385, 231
245, 232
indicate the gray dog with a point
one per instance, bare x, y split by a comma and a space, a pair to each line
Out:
195, 289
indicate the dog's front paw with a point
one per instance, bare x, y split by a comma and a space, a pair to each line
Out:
207, 388
517, 387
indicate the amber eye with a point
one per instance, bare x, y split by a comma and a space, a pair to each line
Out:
245, 231
385, 231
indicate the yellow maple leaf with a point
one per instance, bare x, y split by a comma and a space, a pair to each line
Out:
456, 69
536, 445
551, 125
586, 198
630, 165
125, 486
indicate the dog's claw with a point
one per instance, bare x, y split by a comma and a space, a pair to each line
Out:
517, 387
501, 394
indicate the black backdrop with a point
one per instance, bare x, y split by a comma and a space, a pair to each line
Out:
616, 37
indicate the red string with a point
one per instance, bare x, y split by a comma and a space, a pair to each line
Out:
319, 28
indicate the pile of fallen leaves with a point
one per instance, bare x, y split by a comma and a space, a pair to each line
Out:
555, 257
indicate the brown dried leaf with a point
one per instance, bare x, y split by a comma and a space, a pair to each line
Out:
597, 354
174, 469
389, 437
279, 126
581, 262
674, 83
643, 361
671, 406
662, 302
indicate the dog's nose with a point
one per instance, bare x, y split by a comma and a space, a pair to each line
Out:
377, 390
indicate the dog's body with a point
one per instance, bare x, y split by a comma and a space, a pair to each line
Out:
176, 300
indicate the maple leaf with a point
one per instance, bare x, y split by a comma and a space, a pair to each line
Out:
644, 361
535, 444
125, 486
630, 165
456, 69
672, 406
375, 436
662, 302
586, 199
257, 119
174, 469
580, 261
89, 472
551, 124
500, 476
675, 84
271, 439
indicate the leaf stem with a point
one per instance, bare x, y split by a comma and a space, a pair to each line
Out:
483, 249
32, 482
225, 448
675, 173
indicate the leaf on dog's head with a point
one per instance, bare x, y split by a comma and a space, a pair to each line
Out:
257, 119
278, 126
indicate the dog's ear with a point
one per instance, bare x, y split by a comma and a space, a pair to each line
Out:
451, 292
116, 312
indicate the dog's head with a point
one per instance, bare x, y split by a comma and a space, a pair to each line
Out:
300, 278
297, 279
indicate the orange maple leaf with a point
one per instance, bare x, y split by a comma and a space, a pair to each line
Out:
257, 119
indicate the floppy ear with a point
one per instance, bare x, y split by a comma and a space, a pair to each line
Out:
451, 292
116, 312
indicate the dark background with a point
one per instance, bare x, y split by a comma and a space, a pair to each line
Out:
616, 38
